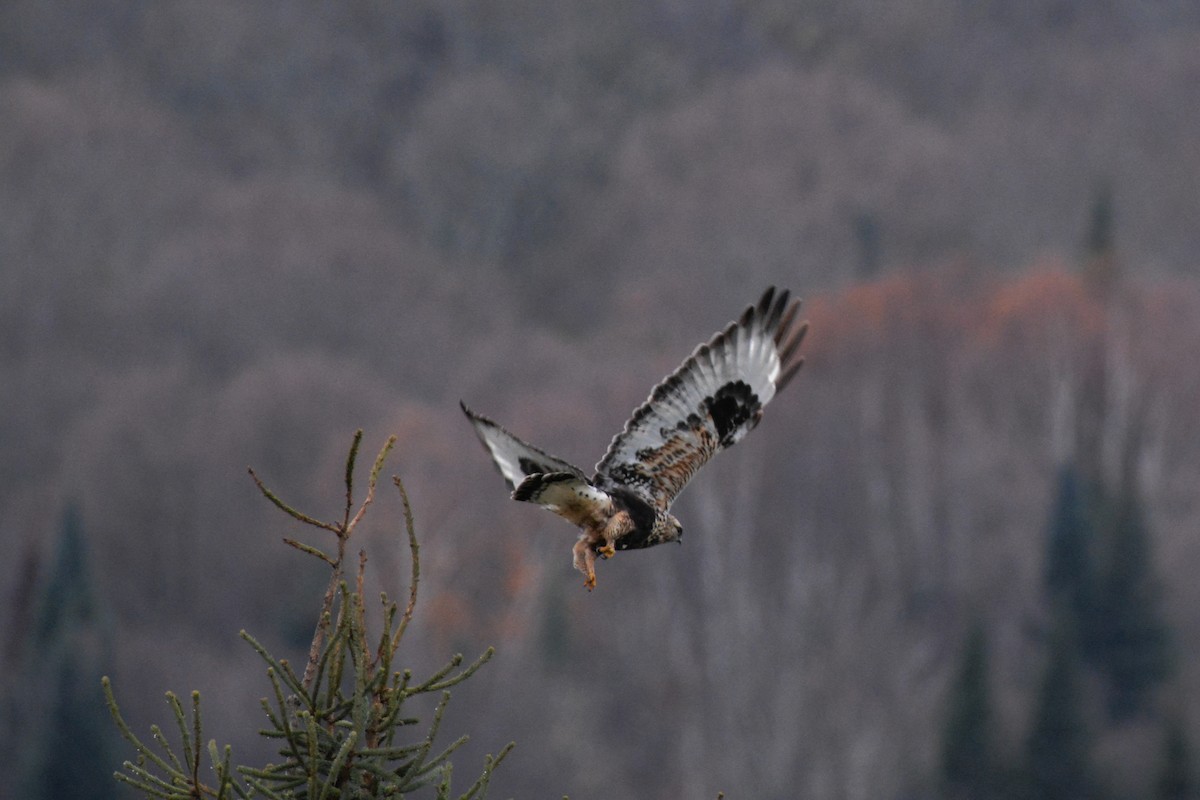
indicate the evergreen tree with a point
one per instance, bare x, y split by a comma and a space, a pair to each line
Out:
1100, 265
72, 754
1070, 575
1176, 780
1057, 762
869, 238
67, 599
1076, 533
1132, 649
17, 608
343, 723
968, 757
1100, 236
1100, 575
69, 742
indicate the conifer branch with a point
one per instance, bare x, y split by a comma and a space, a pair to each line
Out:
325, 620
466, 673
299, 515
372, 480
335, 767
157, 735
360, 609
479, 788
190, 743
414, 549
307, 548
178, 780
351, 458
127, 732
415, 767
224, 774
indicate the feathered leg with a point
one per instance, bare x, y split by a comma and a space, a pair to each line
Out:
585, 560
619, 525
599, 541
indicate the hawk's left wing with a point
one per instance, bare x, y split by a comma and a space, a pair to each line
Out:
714, 399
515, 459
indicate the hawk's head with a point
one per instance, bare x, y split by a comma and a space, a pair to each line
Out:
666, 529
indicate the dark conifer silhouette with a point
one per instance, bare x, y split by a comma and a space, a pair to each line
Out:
1058, 749
66, 744
969, 767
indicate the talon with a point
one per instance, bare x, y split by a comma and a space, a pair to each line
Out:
590, 583
607, 552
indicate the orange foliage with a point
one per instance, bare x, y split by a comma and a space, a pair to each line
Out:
519, 573
940, 307
451, 615
1048, 294
933, 303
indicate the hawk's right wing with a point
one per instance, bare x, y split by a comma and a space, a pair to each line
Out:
516, 459
707, 405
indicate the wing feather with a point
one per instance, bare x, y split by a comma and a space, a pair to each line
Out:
516, 459
708, 404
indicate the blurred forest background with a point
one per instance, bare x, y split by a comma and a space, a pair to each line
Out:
958, 559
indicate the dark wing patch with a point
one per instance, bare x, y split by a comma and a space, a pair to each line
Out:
514, 458
538, 484
714, 399
732, 407
532, 466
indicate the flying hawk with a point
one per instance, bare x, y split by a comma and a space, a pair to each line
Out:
714, 399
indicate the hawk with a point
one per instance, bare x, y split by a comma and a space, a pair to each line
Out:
707, 405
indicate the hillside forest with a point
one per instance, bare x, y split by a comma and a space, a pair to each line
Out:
956, 559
